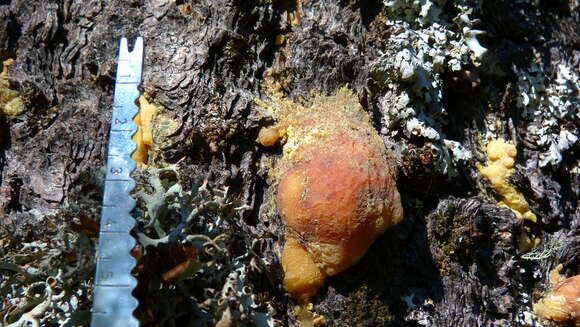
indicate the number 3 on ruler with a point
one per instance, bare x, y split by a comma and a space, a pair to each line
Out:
116, 171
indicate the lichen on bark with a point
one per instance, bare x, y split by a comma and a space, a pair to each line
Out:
453, 260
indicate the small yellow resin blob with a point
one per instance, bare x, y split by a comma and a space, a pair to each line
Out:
10, 102
268, 136
144, 136
562, 302
499, 167
335, 187
302, 276
306, 317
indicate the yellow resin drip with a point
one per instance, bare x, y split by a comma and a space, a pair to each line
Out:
306, 317
10, 102
499, 167
144, 136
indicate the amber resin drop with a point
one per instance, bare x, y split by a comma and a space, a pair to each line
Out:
336, 192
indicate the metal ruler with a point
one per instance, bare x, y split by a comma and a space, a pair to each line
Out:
113, 304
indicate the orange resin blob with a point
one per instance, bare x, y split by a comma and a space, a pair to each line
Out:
336, 193
562, 302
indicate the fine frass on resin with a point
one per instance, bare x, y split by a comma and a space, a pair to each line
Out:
335, 187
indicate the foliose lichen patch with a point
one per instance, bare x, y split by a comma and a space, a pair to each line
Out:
425, 43
548, 97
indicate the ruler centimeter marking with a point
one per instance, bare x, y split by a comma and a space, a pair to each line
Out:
113, 303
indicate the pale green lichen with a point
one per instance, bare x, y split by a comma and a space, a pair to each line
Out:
205, 219
238, 300
44, 282
549, 102
426, 43
542, 252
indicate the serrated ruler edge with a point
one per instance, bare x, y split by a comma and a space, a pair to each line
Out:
113, 303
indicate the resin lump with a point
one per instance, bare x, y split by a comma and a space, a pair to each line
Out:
144, 136
335, 188
10, 102
499, 167
562, 302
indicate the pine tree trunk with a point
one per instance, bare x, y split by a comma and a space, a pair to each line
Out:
453, 261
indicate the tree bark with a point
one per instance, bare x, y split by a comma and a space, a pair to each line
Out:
206, 62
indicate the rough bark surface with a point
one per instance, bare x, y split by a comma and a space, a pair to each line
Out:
453, 261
